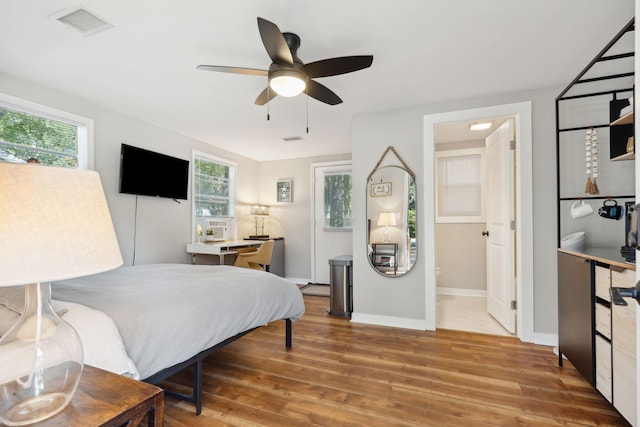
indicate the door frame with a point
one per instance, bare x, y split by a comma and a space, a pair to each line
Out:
637, 180
521, 112
312, 218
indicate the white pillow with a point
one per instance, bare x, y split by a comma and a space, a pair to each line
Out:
101, 340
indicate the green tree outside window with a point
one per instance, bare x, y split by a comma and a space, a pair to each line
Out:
24, 136
337, 201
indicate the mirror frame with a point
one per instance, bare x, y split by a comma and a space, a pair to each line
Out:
391, 251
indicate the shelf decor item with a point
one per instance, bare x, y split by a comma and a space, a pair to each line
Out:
210, 235
591, 160
55, 225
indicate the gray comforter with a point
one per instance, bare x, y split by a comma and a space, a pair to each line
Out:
167, 313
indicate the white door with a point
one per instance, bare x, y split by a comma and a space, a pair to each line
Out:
500, 238
327, 241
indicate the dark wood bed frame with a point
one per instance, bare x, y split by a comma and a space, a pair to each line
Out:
196, 362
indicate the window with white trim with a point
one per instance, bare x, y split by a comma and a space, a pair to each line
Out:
34, 132
338, 207
459, 192
213, 192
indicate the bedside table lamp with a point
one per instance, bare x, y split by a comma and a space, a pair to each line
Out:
54, 225
386, 219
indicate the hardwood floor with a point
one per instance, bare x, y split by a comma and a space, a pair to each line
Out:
344, 374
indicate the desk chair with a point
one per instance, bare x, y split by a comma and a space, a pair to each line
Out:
257, 260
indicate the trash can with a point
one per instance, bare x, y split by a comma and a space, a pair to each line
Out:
341, 286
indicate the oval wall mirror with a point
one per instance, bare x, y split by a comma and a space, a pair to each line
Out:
391, 219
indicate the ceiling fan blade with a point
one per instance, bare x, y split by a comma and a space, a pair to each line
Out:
322, 93
265, 96
335, 66
274, 42
233, 70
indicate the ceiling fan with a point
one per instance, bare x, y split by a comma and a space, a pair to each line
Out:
288, 75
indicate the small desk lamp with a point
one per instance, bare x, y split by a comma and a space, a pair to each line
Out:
54, 225
386, 219
259, 211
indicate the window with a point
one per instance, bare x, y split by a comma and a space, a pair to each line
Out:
213, 186
338, 212
460, 176
33, 131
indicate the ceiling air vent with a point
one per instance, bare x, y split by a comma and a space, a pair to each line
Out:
292, 138
81, 20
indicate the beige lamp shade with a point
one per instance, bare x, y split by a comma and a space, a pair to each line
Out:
386, 218
54, 224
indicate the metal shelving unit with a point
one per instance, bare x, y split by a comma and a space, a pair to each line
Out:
608, 74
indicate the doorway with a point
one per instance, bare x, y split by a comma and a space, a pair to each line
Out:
332, 228
523, 208
474, 208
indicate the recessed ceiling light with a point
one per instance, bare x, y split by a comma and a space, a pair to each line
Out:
480, 126
80, 19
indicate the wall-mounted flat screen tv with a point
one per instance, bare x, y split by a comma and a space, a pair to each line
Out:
149, 173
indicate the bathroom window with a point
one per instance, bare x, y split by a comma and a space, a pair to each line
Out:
459, 189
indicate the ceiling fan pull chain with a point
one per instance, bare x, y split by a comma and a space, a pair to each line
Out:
307, 113
268, 96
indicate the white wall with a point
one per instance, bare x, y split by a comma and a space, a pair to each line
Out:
402, 300
163, 226
456, 243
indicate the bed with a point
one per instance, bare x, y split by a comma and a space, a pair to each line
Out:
162, 318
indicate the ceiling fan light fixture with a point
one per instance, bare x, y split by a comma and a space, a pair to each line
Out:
287, 83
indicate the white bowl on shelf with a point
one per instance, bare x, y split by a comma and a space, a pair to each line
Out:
574, 241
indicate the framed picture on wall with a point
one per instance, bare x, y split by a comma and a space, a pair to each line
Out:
381, 189
284, 190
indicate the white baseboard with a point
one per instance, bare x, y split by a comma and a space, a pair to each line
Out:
299, 280
462, 292
550, 340
394, 322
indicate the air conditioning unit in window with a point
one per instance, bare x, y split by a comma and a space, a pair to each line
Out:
220, 230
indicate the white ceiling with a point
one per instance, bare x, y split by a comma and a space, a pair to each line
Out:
425, 52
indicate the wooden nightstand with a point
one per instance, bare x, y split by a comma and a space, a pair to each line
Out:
107, 399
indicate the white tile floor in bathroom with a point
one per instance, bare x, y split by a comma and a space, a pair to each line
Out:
466, 313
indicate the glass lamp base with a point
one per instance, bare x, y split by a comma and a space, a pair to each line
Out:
40, 362
36, 409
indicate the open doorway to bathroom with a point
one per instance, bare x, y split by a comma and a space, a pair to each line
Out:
469, 189
523, 236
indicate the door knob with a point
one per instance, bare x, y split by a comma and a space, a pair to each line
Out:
485, 233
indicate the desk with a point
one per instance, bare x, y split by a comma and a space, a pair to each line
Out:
228, 247
107, 399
